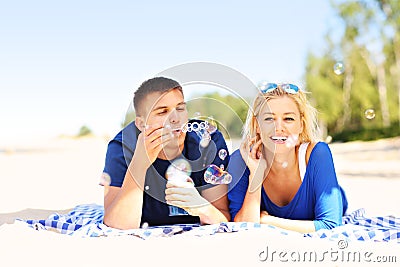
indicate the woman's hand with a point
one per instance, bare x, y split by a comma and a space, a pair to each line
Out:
251, 151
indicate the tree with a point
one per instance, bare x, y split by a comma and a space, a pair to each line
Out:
229, 112
84, 131
367, 48
391, 9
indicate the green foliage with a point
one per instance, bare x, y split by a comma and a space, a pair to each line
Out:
228, 112
84, 131
343, 99
367, 133
325, 88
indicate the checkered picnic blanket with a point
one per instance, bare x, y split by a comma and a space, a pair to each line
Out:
358, 227
87, 221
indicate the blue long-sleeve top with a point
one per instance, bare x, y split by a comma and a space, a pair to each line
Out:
319, 198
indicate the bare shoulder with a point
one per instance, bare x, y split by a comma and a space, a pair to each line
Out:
310, 148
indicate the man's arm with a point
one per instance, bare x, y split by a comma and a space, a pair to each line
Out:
218, 209
123, 206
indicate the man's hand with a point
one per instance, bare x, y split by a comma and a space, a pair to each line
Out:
186, 197
149, 144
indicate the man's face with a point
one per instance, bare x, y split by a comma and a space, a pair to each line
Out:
167, 110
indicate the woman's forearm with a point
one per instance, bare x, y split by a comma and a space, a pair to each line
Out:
301, 226
250, 210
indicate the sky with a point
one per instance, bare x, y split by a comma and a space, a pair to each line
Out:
65, 64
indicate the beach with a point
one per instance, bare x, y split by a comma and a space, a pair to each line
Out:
55, 175
60, 173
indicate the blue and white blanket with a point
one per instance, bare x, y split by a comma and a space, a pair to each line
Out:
87, 221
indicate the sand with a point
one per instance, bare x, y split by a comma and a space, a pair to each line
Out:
58, 174
55, 174
370, 174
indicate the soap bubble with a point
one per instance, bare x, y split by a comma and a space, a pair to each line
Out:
369, 114
215, 175
178, 167
168, 128
203, 125
145, 225
222, 154
195, 126
212, 125
177, 173
292, 140
203, 130
209, 125
205, 138
338, 68
196, 115
105, 179
187, 128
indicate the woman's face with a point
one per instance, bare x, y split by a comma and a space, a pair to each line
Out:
280, 124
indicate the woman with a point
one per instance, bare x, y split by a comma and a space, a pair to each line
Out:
281, 175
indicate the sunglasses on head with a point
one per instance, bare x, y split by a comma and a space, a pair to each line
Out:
287, 87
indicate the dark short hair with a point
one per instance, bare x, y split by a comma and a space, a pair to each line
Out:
157, 84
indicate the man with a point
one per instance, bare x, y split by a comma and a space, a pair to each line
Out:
138, 157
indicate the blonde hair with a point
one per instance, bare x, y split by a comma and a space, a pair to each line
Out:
308, 114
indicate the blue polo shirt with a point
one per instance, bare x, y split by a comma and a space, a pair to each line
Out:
319, 198
155, 211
